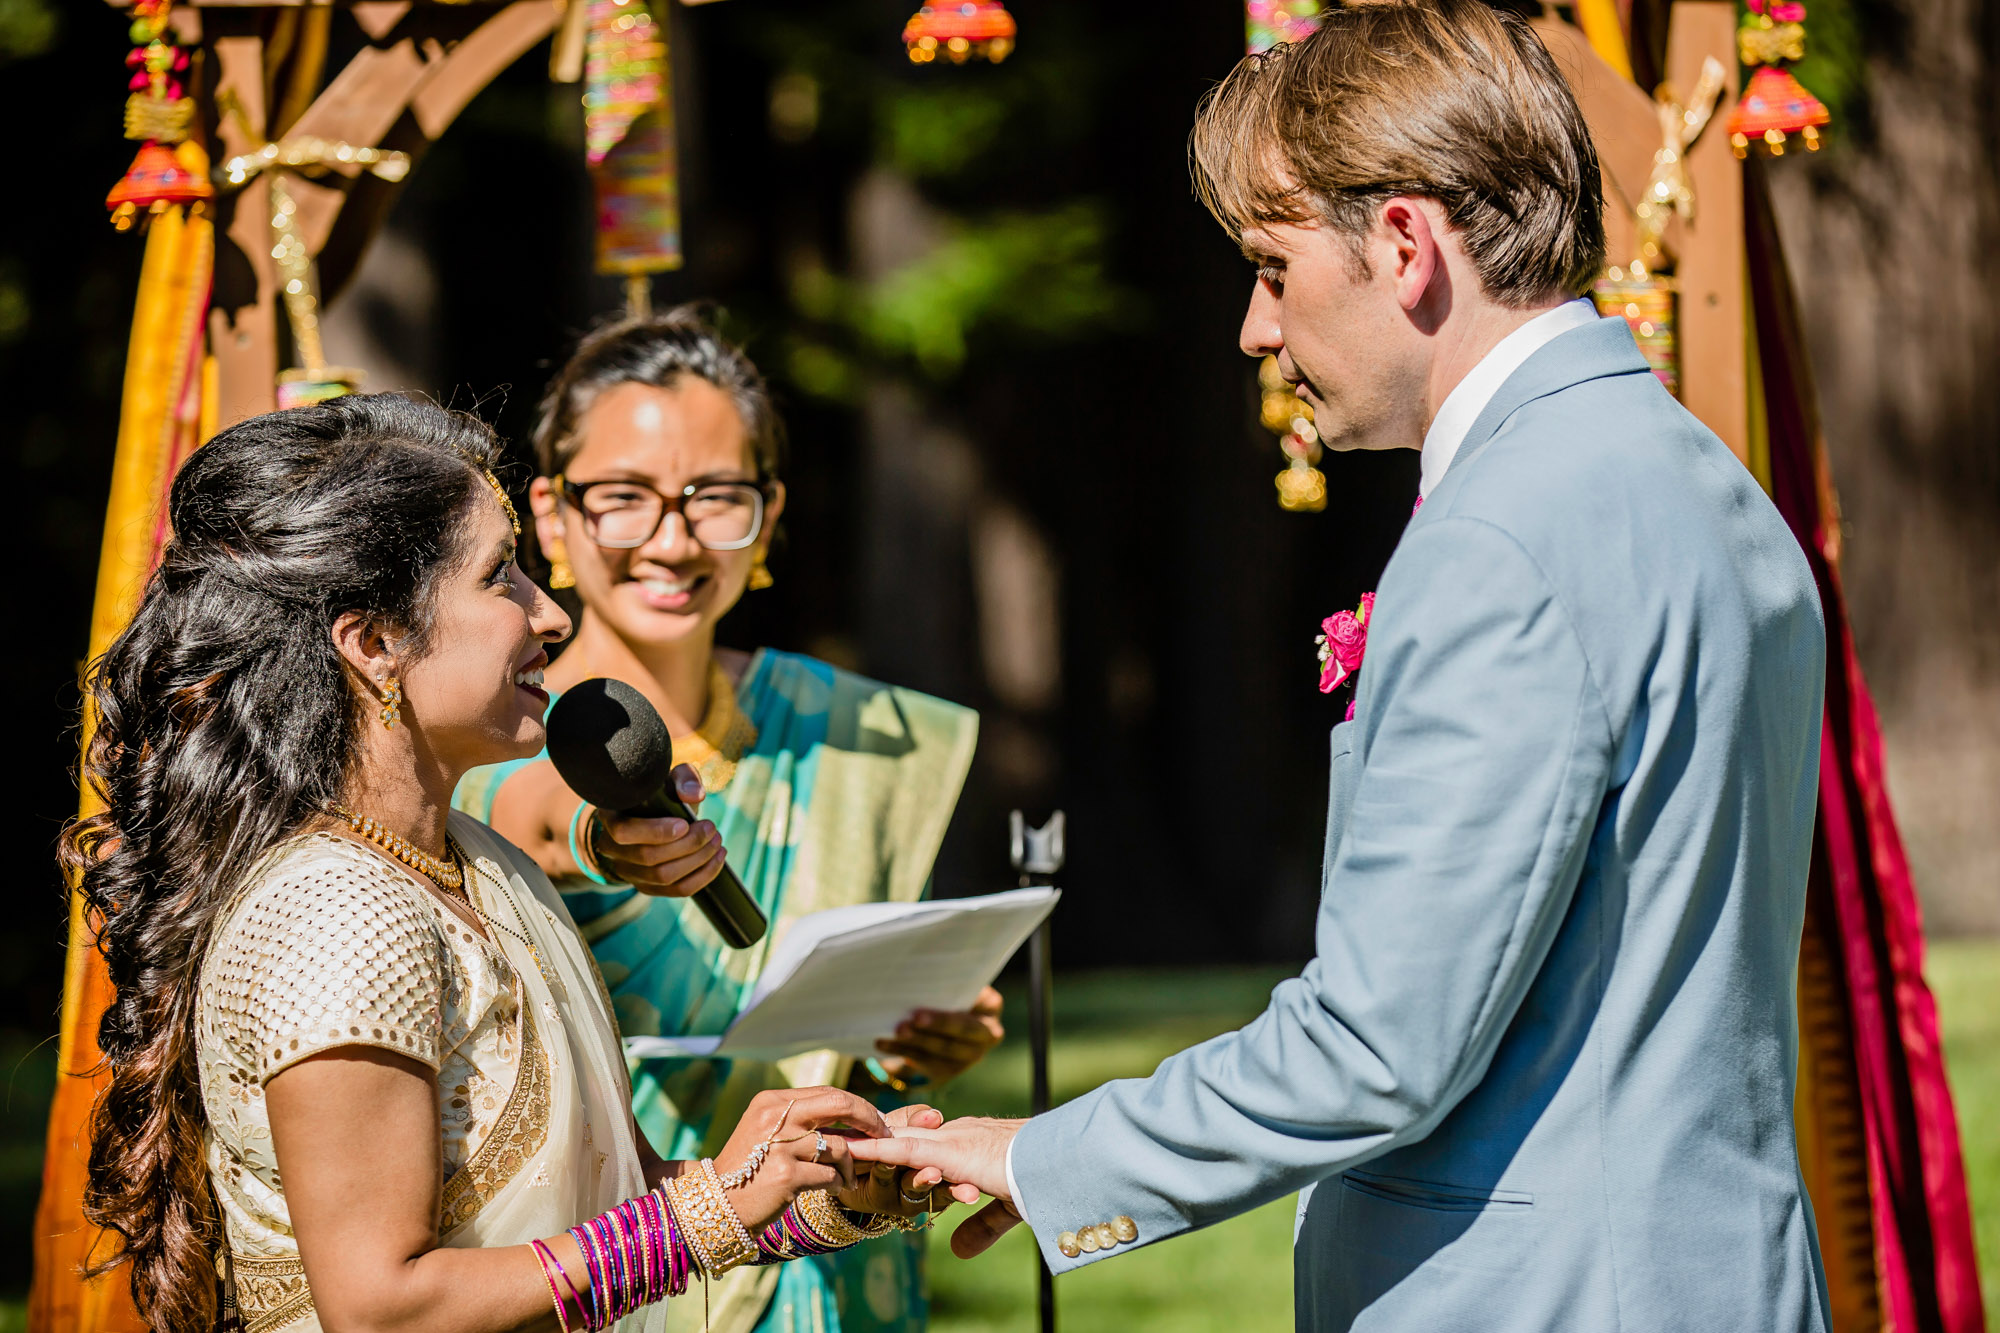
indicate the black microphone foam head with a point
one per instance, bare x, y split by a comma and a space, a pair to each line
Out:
609, 744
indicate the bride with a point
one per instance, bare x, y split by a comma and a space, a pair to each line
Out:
363, 1073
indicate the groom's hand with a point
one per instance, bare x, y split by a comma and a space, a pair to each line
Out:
969, 1151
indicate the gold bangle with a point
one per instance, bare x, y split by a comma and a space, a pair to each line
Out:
715, 1233
835, 1224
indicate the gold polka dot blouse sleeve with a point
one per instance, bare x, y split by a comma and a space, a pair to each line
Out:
332, 949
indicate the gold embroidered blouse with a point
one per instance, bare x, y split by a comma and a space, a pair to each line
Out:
331, 946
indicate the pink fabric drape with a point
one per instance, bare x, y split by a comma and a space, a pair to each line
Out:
1929, 1273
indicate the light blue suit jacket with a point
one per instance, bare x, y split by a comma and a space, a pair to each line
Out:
1539, 1075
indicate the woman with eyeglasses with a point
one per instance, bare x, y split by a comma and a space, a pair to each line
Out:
659, 451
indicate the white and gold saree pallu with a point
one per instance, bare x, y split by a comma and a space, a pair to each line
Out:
331, 945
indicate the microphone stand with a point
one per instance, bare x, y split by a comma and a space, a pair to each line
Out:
1038, 855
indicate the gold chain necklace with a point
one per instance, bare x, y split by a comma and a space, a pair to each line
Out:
541, 964
441, 872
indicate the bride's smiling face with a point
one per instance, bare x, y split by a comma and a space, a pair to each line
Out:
671, 588
475, 693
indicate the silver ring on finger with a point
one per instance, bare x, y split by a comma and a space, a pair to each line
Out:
819, 1146
923, 1198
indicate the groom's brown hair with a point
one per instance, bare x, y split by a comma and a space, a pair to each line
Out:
1446, 99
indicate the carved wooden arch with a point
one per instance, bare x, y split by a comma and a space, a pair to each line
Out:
1715, 379
418, 66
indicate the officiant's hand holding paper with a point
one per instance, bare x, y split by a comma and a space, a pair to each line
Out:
970, 1151
938, 1047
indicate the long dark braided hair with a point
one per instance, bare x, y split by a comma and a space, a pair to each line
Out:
224, 723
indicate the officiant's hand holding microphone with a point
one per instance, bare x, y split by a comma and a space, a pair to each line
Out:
665, 857
670, 857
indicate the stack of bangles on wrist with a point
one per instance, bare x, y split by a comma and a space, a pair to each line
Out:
647, 1249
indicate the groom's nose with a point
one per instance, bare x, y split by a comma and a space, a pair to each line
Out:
1262, 333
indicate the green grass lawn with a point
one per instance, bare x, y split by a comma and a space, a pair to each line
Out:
1228, 1279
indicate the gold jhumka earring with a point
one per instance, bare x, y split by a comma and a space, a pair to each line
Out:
760, 574
560, 574
392, 699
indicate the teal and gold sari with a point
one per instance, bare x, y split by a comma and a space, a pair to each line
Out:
828, 789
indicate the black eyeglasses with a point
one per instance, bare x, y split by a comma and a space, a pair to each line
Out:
625, 515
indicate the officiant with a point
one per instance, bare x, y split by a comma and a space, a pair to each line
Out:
659, 454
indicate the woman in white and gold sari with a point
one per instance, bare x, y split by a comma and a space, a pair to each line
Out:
363, 1072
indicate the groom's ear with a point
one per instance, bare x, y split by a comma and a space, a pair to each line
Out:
1412, 231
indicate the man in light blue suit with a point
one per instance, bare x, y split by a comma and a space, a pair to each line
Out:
1539, 1075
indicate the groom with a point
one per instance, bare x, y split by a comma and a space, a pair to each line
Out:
1539, 1074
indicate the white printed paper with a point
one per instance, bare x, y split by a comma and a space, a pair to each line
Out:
844, 978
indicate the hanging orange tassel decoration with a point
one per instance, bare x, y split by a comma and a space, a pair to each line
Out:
970, 30
1775, 105
159, 115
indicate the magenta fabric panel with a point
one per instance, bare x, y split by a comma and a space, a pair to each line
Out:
1923, 1220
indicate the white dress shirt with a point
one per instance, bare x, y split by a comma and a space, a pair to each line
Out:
1461, 408
1464, 403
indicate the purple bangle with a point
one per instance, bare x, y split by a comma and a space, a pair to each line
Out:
581, 1235
649, 1288
615, 1264
636, 1274
621, 1272
660, 1239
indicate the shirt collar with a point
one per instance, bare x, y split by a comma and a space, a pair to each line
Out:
1464, 403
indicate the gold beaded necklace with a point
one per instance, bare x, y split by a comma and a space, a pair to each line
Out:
441, 872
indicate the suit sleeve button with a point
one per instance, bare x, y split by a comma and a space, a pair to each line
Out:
1086, 1240
1124, 1230
1067, 1244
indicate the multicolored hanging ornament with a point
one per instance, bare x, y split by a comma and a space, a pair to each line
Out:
1301, 486
971, 30
624, 71
1645, 301
1775, 104
159, 114
629, 144
1269, 22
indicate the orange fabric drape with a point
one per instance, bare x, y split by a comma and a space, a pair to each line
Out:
165, 412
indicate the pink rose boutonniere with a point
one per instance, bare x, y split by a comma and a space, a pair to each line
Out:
1343, 641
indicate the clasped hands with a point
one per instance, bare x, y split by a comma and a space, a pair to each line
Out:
902, 1164
798, 1139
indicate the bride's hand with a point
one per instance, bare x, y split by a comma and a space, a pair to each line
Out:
808, 1129
907, 1193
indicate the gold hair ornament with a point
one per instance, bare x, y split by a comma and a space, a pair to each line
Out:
500, 494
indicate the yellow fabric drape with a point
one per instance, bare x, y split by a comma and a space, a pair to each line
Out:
167, 409
1606, 31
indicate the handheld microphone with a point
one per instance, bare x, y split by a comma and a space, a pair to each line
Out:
613, 750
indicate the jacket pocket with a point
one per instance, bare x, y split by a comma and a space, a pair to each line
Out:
1439, 1198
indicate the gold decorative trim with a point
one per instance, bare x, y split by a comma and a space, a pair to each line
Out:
270, 1293
519, 1133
